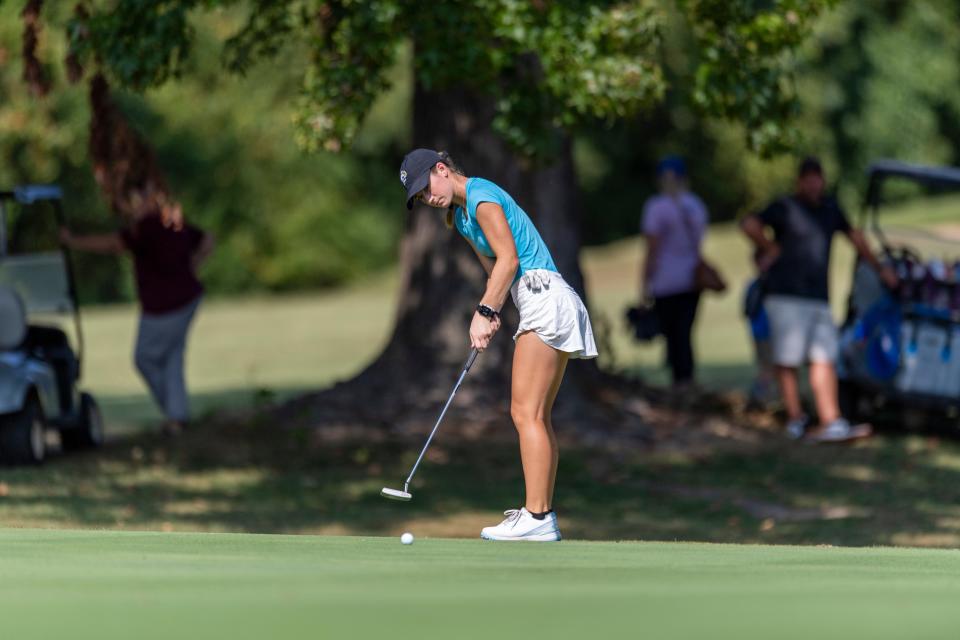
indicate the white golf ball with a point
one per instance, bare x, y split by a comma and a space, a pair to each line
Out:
407, 538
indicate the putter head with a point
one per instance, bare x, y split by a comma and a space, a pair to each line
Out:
395, 494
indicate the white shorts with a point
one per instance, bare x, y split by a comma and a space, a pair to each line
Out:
552, 309
801, 330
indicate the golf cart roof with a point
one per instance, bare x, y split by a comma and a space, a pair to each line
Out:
882, 170
30, 193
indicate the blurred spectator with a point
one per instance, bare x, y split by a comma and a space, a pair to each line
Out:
166, 254
796, 262
674, 223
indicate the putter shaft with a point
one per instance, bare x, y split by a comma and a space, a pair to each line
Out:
466, 368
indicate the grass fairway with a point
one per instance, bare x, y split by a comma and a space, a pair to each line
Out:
93, 584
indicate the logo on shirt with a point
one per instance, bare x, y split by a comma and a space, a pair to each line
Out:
403, 177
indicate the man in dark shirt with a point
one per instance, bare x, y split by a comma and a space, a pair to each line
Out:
166, 254
797, 265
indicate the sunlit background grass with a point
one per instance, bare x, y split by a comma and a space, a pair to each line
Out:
241, 348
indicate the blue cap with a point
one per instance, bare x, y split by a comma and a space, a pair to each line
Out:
674, 164
415, 171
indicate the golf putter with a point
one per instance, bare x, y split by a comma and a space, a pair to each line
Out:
396, 494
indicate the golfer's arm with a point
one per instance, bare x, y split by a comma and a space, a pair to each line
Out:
108, 243
484, 260
859, 242
493, 222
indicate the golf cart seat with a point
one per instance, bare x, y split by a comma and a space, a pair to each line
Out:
13, 319
50, 344
45, 342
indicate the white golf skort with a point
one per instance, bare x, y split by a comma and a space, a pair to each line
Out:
552, 309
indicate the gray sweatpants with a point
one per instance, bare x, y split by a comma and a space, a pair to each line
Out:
161, 342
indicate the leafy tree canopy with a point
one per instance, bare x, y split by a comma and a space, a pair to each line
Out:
551, 64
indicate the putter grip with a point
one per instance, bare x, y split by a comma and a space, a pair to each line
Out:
470, 359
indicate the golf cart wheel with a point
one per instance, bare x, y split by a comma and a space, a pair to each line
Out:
88, 434
22, 435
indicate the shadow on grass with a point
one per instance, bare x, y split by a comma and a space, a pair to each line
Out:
255, 476
714, 376
129, 414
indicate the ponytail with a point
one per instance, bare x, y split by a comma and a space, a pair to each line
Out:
447, 160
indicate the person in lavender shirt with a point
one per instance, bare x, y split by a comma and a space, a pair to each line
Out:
674, 223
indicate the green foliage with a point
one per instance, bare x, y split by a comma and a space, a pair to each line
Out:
553, 66
743, 74
283, 220
267, 30
352, 49
557, 66
143, 43
603, 66
567, 66
884, 83
342, 73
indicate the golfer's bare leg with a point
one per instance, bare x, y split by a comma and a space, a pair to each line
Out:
551, 397
537, 369
823, 383
790, 391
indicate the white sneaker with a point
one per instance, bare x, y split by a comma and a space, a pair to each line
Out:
519, 525
840, 430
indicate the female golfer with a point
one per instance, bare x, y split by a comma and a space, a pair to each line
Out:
554, 325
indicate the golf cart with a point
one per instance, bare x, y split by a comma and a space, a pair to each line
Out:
39, 370
900, 350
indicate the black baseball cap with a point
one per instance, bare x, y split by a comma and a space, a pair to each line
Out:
810, 164
415, 171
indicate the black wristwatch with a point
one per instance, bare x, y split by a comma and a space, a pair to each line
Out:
487, 312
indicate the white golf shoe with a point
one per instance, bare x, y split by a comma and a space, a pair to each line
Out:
519, 525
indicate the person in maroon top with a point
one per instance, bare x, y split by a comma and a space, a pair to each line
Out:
166, 254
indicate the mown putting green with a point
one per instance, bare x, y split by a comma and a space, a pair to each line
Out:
93, 584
